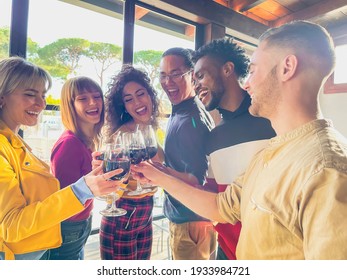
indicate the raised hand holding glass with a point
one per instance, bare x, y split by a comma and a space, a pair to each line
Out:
137, 153
116, 156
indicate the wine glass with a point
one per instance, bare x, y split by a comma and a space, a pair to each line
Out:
137, 153
151, 145
116, 156
101, 148
150, 140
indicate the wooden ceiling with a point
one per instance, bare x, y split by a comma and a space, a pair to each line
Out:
245, 19
253, 17
331, 14
275, 13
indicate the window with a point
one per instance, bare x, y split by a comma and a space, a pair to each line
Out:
87, 28
337, 82
83, 29
5, 20
165, 32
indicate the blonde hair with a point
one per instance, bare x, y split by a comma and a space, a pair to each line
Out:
69, 91
17, 72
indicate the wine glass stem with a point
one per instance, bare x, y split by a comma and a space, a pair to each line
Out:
138, 186
113, 202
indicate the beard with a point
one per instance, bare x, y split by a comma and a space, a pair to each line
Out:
216, 97
214, 102
267, 96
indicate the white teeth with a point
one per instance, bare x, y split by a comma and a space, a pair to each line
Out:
140, 109
171, 90
33, 113
202, 94
92, 111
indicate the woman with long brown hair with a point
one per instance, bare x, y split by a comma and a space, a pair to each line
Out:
130, 101
82, 113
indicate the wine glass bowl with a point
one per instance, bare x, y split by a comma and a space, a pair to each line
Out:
151, 145
101, 156
115, 156
101, 148
116, 159
137, 153
151, 152
150, 140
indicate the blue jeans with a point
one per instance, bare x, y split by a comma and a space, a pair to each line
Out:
75, 235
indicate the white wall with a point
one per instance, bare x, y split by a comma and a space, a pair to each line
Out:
334, 107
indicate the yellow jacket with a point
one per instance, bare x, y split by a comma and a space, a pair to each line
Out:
31, 202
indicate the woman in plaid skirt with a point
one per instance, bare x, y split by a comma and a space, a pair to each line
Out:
130, 101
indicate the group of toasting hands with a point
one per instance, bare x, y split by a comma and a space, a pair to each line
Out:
118, 153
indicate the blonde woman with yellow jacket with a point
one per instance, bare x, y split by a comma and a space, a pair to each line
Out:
32, 205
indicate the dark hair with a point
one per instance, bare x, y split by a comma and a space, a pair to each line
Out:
306, 39
116, 114
225, 50
186, 54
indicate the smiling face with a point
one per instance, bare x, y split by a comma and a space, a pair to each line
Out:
23, 106
88, 107
137, 102
178, 89
263, 84
208, 82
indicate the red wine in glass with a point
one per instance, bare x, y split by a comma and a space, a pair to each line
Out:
100, 157
113, 164
150, 140
137, 155
115, 157
151, 152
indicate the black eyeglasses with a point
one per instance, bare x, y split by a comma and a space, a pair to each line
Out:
176, 77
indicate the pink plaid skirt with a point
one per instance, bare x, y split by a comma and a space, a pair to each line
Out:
128, 237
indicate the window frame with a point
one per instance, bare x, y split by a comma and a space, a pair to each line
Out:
330, 86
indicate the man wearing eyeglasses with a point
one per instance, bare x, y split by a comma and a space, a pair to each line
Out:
191, 236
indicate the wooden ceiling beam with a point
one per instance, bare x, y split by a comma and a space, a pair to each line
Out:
190, 31
311, 12
140, 12
256, 18
200, 11
225, 3
245, 5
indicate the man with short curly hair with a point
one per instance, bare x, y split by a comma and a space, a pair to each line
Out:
219, 68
